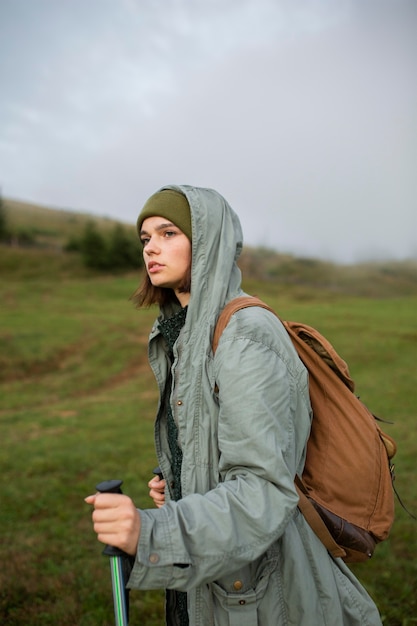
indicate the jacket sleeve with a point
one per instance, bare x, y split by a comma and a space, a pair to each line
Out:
263, 424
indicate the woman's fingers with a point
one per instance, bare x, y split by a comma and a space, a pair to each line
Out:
157, 490
116, 520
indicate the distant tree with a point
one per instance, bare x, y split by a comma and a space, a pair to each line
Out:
94, 248
74, 244
123, 249
4, 230
118, 248
118, 251
135, 252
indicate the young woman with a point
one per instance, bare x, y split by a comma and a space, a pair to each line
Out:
226, 538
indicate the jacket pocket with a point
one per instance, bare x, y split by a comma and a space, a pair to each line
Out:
235, 602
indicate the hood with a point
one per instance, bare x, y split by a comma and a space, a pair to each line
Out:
216, 245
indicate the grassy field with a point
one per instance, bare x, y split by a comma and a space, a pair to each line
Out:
77, 407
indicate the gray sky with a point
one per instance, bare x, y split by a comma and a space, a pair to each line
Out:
302, 113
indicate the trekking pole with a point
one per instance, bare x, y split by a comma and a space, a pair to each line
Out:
119, 563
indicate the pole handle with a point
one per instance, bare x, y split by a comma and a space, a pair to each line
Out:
111, 486
158, 472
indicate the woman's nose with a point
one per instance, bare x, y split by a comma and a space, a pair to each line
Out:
151, 247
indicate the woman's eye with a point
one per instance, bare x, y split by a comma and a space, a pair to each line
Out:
144, 240
169, 233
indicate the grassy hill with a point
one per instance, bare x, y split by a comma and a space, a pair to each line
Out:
49, 230
50, 227
78, 403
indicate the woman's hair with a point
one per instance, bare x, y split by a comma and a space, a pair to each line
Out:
147, 294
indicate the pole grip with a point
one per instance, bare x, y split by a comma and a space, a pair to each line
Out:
111, 486
158, 472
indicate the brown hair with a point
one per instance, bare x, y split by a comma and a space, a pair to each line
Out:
147, 294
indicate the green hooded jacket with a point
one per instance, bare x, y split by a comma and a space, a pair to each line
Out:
236, 541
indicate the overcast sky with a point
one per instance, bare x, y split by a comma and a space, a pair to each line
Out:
302, 113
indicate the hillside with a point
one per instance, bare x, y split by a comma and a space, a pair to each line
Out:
52, 227
49, 230
79, 399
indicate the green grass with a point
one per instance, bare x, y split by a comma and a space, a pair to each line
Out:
77, 407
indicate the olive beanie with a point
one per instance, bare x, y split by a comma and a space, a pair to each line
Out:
170, 204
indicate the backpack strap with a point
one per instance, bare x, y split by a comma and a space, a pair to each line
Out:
315, 522
231, 307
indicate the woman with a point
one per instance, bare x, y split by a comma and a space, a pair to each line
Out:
226, 537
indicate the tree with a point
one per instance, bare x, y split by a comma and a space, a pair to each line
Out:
94, 248
123, 252
4, 231
119, 251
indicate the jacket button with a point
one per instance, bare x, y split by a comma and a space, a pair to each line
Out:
242, 602
179, 403
153, 558
237, 585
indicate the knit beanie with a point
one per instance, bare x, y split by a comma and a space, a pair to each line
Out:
170, 204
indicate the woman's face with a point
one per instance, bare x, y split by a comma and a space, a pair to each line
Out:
167, 255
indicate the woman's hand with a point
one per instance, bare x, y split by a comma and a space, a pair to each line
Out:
157, 490
116, 520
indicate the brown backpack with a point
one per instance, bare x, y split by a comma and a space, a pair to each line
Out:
346, 492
